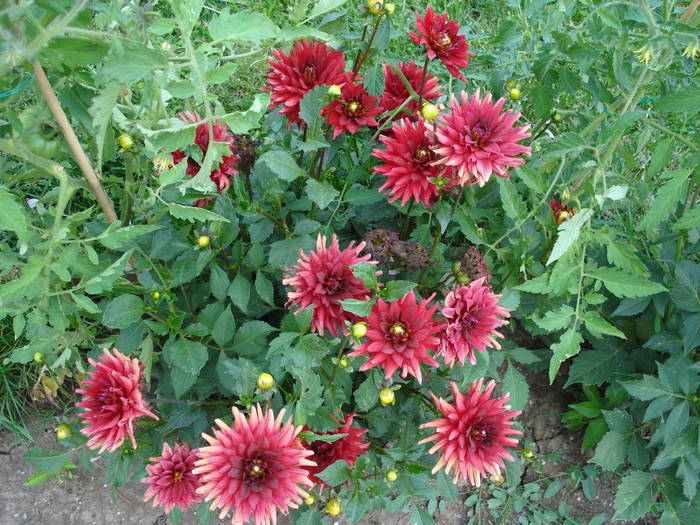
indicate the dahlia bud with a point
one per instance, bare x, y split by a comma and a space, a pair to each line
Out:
333, 507
430, 111
390, 8
155, 295
565, 195
557, 117
392, 475
344, 362
456, 267
125, 140
497, 479
375, 6
334, 91
387, 396
310, 499
463, 278
564, 215
359, 330
203, 241
265, 381
38, 357
514, 93
63, 431
528, 453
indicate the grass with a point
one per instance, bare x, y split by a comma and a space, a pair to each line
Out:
16, 381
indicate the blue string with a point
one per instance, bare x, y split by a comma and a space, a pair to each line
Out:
648, 99
26, 82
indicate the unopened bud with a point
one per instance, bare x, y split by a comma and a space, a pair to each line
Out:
334, 91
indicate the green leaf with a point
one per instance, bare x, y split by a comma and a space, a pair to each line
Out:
568, 346
336, 473
625, 258
237, 375
395, 290
555, 319
646, 389
513, 204
599, 326
374, 80
162, 26
283, 165
568, 233
565, 144
192, 213
366, 395
691, 332
264, 288
685, 101
667, 198
244, 121
419, 516
323, 6
635, 495
119, 238
105, 279
358, 307
685, 292
239, 291
188, 356
101, 111
622, 284
12, 216
133, 63
310, 109
539, 284
631, 306
243, 26
47, 460
610, 452
218, 283
660, 159
619, 421
677, 420
689, 220
37, 478
224, 327
123, 311
514, 382
310, 437
321, 192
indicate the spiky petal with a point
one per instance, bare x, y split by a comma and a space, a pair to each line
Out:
441, 39
323, 278
254, 467
399, 336
112, 400
395, 92
170, 480
473, 314
479, 141
474, 433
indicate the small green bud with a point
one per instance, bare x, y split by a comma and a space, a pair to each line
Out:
392, 475
359, 330
265, 381
387, 396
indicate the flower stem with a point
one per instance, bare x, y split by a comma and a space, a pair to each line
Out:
422, 82
358, 63
406, 224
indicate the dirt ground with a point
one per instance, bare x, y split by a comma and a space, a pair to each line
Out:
86, 500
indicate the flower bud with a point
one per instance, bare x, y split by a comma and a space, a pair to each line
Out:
203, 241
456, 267
155, 295
392, 475
390, 8
359, 330
38, 357
557, 117
375, 6
344, 362
125, 140
528, 453
63, 431
514, 93
430, 111
387, 396
310, 499
333, 507
463, 278
265, 381
334, 91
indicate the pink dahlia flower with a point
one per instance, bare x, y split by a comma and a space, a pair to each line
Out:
409, 163
478, 140
308, 65
112, 400
472, 314
254, 467
399, 335
170, 480
353, 109
473, 433
348, 448
395, 92
441, 39
323, 279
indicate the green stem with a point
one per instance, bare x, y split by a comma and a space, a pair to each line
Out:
422, 82
358, 65
406, 224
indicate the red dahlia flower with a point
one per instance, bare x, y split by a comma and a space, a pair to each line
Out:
308, 65
348, 448
221, 176
473, 314
478, 140
473, 434
399, 335
353, 109
170, 480
323, 279
256, 466
112, 400
409, 163
395, 92
560, 212
441, 39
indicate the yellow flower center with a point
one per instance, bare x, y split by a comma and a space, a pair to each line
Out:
354, 107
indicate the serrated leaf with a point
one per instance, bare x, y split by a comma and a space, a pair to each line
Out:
623, 284
610, 452
395, 290
568, 346
188, 356
691, 332
599, 326
310, 109
47, 460
123, 311
321, 192
119, 238
631, 306
242, 26
539, 284
646, 389
12, 215
101, 111
358, 307
666, 199
224, 327
105, 279
283, 165
685, 292
689, 220
133, 62
239, 291
192, 213
685, 101
514, 382
264, 288
625, 258
366, 395
568, 233
513, 204
323, 6
555, 319
635, 495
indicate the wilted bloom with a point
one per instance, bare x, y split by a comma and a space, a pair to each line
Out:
473, 434
410, 256
170, 480
354, 108
399, 336
348, 448
380, 245
473, 315
409, 163
478, 140
474, 266
221, 176
255, 466
441, 39
692, 50
112, 400
395, 92
323, 279
560, 212
308, 65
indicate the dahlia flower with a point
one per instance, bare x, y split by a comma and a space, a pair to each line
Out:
441, 39
395, 92
353, 109
112, 400
472, 314
255, 466
308, 65
478, 140
560, 212
170, 480
409, 163
473, 434
348, 448
399, 335
323, 279
221, 176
